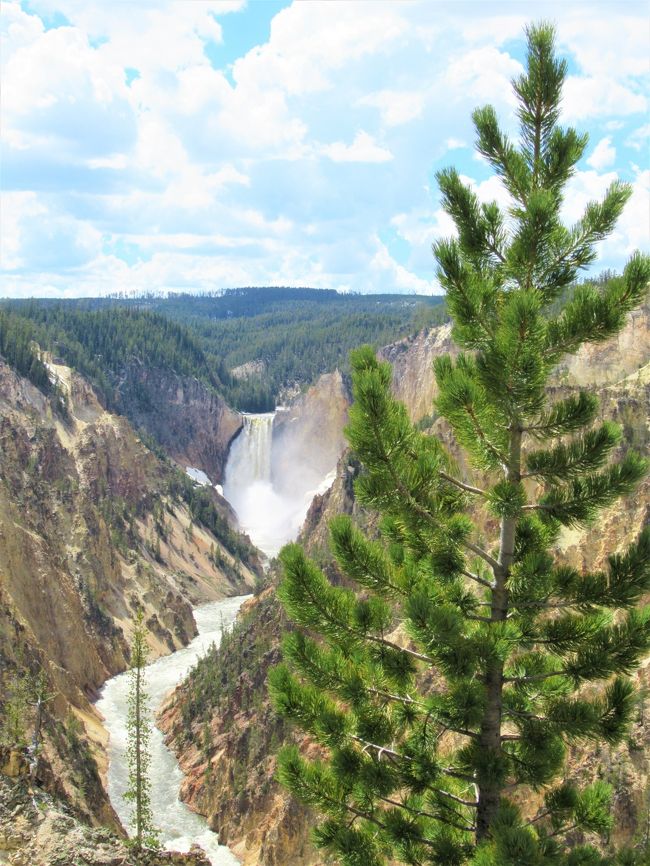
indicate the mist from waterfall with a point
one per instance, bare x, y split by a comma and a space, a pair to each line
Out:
270, 509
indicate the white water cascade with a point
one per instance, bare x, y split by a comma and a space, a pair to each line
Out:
179, 827
271, 510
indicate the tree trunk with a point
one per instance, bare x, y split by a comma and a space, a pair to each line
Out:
138, 760
489, 789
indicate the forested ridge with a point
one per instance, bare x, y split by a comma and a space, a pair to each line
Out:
294, 334
291, 335
99, 344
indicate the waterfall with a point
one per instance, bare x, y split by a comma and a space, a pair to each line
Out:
250, 456
270, 509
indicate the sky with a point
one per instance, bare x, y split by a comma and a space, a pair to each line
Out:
193, 145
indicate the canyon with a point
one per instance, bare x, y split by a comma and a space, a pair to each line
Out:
96, 522
94, 525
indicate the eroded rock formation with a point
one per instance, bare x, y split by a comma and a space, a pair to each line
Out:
92, 527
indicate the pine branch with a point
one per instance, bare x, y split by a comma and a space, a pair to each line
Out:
585, 454
424, 814
566, 416
401, 699
477, 579
317, 604
578, 502
467, 487
491, 561
534, 678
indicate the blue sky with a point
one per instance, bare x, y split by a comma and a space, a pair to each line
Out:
196, 145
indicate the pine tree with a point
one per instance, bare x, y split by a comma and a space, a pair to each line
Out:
13, 714
39, 696
433, 736
139, 732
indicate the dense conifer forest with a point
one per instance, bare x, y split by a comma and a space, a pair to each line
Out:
294, 335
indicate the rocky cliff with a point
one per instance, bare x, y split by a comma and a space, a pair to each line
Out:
412, 362
189, 420
92, 526
227, 735
309, 434
39, 830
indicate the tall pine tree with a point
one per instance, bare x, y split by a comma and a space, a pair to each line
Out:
138, 725
431, 740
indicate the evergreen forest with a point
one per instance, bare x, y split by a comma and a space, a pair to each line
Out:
293, 335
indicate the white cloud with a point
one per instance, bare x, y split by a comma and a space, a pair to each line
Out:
586, 97
38, 236
633, 228
396, 106
61, 95
484, 74
393, 277
194, 189
113, 160
604, 154
639, 138
309, 40
17, 208
491, 189
255, 173
146, 36
454, 143
18, 30
363, 149
598, 51
584, 187
422, 227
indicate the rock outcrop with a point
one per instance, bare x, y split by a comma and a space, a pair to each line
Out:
39, 830
309, 434
412, 362
190, 421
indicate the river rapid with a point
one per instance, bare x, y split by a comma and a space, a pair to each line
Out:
179, 827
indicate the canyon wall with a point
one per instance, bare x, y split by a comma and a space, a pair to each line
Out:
309, 433
93, 525
192, 423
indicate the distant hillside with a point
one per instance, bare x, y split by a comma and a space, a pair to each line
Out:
273, 337
100, 343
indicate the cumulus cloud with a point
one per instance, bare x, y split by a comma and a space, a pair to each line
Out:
600, 96
604, 154
363, 149
454, 143
484, 74
309, 41
396, 106
395, 277
633, 229
135, 160
639, 138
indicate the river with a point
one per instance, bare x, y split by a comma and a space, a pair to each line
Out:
179, 827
